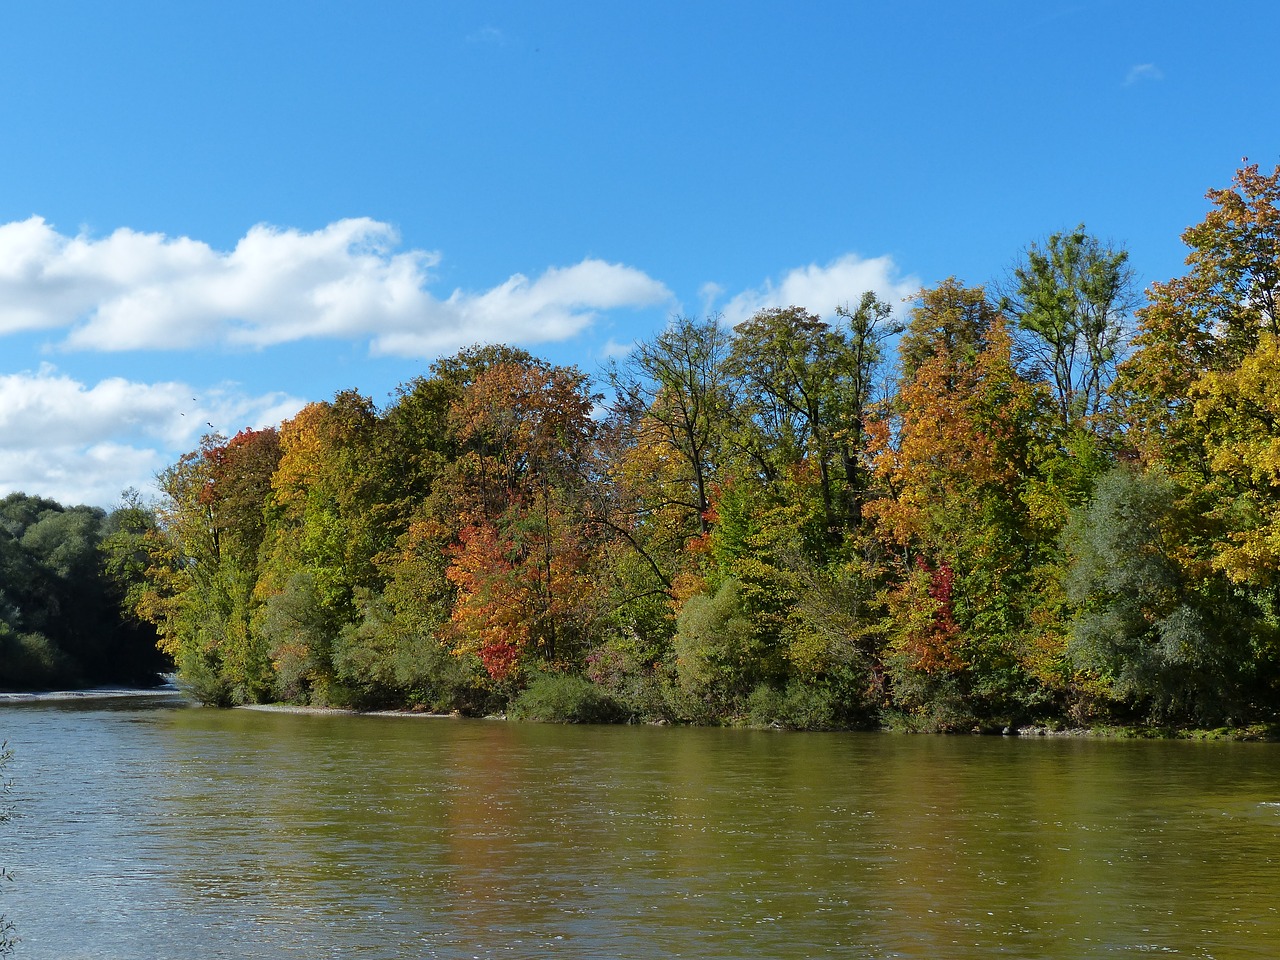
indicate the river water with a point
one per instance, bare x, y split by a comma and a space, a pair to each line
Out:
147, 830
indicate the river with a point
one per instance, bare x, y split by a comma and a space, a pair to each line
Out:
144, 829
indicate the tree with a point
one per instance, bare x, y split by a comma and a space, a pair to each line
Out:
1210, 318
1237, 412
674, 391
1166, 636
204, 565
60, 617
417, 434
327, 528
952, 453
802, 393
1070, 298
520, 562
1200, 389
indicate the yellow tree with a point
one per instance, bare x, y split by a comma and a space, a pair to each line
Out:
1210, 318
204, 564
1201, 387
1238, 413
951, 453
324, 536
1202, 405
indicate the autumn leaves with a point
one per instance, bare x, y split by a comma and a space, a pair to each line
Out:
781, 523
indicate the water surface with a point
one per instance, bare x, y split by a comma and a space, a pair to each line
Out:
147, 830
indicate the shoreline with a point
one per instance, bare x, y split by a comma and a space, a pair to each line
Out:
340, 711
92, 693
1247, 733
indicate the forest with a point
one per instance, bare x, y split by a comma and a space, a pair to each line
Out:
60, 600
1054, 500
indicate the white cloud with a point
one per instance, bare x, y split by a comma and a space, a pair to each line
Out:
1141, 72
95, 475
559, 304
146, 291
708, 294
820, 289
52, 428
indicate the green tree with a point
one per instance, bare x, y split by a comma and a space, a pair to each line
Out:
60, 618
327, 527
1168, 638
803, 391
673, 391
1070, 298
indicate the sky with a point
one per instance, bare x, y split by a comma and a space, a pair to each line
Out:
214, 213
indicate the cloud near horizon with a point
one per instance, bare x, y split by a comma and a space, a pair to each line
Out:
147, 291
820, 289
76, 443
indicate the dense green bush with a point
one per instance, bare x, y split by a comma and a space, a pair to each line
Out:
797, 706
564, 698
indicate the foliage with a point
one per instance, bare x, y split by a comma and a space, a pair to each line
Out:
1167, 641
60, 598
1013, 519
564, 698
954, 453
1070, 298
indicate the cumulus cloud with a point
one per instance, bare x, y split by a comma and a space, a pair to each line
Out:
821, 289
147, 291
52, 430
1142, 72
557, 305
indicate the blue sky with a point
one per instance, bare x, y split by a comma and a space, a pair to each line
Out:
213, 213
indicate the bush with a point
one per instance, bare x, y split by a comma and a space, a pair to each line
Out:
30, 660
200, 677
798, 706
564, 698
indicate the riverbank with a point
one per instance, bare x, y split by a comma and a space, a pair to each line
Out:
1254, 732
292, 708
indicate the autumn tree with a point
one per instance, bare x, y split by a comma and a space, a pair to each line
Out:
1210, 318
417, 431
326, 528
204, 564
803, 389
520, 564
1201, 387
674, 391
1202, 399
952, 452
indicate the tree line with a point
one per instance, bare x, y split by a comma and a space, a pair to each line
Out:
61, 597
1026, 503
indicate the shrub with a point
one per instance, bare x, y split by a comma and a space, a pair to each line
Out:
799, 706
564, 698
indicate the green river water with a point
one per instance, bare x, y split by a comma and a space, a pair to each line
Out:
147, 830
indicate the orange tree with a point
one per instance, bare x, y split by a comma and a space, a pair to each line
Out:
951, 452
520, 562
